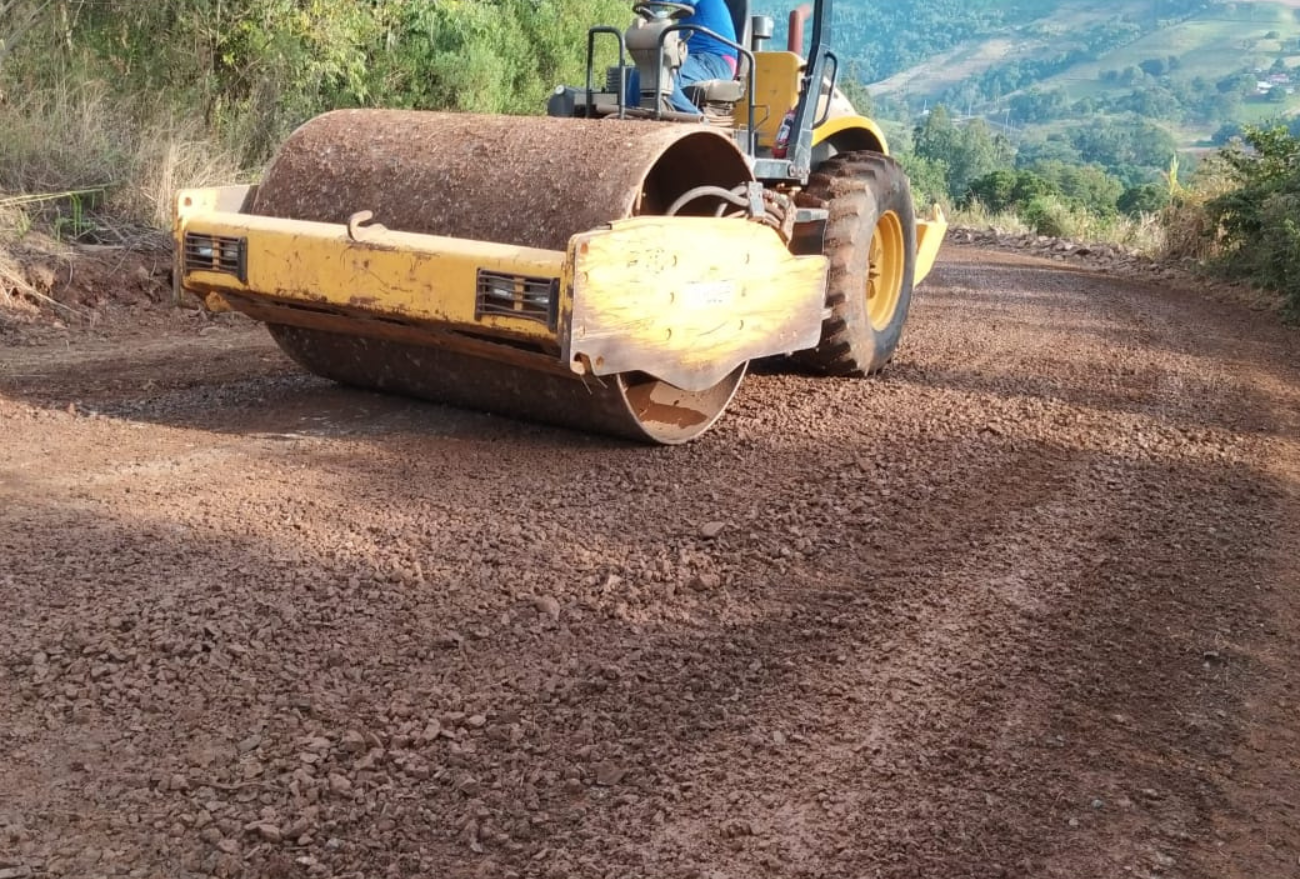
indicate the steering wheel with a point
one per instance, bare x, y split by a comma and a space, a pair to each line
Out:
663, 9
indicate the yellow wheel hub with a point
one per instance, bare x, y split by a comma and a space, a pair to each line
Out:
885, 271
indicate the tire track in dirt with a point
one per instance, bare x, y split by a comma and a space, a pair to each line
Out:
950, 627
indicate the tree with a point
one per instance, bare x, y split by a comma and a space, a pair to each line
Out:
1154, 66
1242, 83
967, 152
1088, 187
937, 137
1225, 133
1154, 102
1004, 190
853, 89
1145, 198
994, 190
254, 69
1086, 106
1038, 105
1135, 143
1131, 75
1054, 147
928, 177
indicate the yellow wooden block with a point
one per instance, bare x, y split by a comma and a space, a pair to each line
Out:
688, 299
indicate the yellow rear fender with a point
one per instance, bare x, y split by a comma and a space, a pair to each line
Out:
851, 133
929, 236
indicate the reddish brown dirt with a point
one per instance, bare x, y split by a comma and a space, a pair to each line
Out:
1026, 606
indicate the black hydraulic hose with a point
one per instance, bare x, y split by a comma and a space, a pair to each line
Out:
700, 192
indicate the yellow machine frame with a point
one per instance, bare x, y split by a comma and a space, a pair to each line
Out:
665, 296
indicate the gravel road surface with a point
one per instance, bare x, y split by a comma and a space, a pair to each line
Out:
1026, 606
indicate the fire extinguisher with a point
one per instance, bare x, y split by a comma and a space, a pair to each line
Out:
782, 145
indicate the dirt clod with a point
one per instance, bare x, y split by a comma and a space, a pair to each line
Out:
547, 605
711, 530
268, 832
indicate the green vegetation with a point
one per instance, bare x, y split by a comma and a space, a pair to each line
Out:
108, 107
1190, 66
961, 154
1256, 218
883, 38
1072, 118
1047, 188
1091, 167
132, 99
1241, 214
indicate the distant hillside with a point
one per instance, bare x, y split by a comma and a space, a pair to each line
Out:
881, 38
1195, 67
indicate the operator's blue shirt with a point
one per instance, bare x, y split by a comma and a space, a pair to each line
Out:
714, 15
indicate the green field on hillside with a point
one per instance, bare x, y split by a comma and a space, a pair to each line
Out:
1210, 46
1095, 50
1034, 37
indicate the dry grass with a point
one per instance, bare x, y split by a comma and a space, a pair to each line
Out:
78, 164
15, 286
1144, 234
1189, 232
977, 216
122, 161
13, 280
174, 155
17, 290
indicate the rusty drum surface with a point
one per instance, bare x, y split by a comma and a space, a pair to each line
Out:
634, 407
531, 181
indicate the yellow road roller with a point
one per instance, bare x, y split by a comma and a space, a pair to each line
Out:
612, 266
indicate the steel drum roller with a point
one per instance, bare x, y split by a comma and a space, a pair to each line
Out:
530, 181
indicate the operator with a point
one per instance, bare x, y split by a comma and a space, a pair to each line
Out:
706, 58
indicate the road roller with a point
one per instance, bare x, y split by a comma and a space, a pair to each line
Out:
611, 266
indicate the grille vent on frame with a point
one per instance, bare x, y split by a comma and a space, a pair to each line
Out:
517, 296
216, 253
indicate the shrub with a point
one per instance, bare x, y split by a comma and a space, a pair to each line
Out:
1007, 190
928, 178
1145, 198
1046, 215
1255, 221
75, 138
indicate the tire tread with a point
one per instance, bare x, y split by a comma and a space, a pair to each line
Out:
854, 187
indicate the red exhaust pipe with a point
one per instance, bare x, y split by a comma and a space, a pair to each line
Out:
794, 40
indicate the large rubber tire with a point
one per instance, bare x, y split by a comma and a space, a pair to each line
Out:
871, 242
